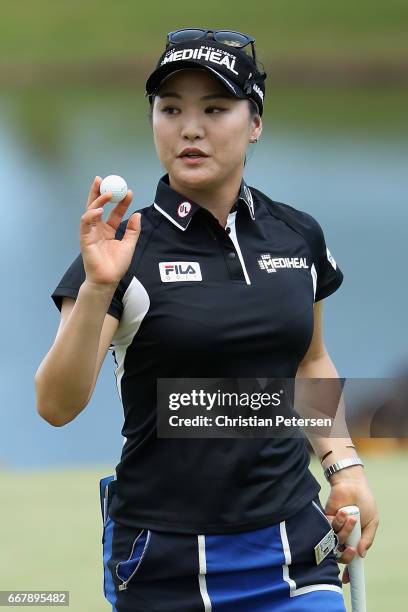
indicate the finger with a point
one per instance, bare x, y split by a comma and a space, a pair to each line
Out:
346, 577
94, 190
100, 201
348, 555
116, 214
344, 533
343, 529
339, 519
367, 537
89, 219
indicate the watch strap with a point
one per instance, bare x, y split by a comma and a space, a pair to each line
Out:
341, 464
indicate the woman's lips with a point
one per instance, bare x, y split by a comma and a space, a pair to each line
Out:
193, 161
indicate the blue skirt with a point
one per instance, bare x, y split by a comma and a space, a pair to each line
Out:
262, 570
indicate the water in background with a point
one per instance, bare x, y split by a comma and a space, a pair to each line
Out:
349, 174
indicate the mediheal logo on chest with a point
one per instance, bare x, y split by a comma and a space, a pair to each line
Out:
176, 271
272, 264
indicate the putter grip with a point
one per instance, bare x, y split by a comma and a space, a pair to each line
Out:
356, 566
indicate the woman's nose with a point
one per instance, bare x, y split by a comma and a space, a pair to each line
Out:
192, 130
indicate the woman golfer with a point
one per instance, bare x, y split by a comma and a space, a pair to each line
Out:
212, 280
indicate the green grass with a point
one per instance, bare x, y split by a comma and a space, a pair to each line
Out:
94, 29
51, 532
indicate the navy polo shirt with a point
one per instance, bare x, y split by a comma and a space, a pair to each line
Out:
199, 300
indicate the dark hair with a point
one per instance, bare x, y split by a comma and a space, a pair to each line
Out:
253, 108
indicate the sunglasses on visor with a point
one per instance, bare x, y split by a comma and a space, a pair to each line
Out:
226, 37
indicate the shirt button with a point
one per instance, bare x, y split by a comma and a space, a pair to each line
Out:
228, 230
231, 255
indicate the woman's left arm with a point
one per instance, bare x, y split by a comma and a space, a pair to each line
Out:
349, 486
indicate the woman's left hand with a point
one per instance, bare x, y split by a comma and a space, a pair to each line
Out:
349, 487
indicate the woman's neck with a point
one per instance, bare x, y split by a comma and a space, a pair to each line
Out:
218, 200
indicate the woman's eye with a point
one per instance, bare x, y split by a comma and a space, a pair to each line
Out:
171, 110
214, 109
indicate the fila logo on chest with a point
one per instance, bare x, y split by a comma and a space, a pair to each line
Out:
177, 271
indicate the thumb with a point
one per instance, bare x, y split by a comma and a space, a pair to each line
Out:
133, 228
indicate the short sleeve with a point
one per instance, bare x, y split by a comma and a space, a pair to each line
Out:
328, 276
72, 280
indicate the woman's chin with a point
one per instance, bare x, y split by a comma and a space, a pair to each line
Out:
195, 177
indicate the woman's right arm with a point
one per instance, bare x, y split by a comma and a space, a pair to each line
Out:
67, 375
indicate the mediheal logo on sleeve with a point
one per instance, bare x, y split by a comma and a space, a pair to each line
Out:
176, 271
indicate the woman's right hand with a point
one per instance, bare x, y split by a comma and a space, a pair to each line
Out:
106, 260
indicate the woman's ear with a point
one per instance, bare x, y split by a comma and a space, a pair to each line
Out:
256, 130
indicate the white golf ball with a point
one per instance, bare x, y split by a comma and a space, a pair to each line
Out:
117, 185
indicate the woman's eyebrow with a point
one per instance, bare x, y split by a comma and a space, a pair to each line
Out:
226, 96
169, 94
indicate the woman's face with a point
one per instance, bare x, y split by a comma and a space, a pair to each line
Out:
193, 109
